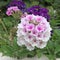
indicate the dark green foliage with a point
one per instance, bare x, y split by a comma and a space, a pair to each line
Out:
5, 3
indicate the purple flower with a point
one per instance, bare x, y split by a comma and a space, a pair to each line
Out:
37, 10
19, 3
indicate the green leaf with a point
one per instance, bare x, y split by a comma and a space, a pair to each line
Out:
51, 57
49, 1
7, 50
54, 23
56, 38
38, 53
31, 53
1, 3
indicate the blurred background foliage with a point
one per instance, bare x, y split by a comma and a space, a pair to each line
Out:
8, 39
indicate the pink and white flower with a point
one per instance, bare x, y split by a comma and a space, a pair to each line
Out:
12, 9
33, 31
30, 27
40, 28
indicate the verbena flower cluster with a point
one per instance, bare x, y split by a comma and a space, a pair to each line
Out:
33, 31
11, 10
19, 3
37, 10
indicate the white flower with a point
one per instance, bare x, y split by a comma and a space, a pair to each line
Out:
46, 36
29, 46
20, 41
41, 44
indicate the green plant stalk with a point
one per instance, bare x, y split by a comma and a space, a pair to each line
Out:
3, 26
2, 38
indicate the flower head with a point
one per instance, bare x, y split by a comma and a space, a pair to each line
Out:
19, 3
12, 9
33, 31
37, 10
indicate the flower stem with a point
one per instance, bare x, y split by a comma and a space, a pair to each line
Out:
3, 26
